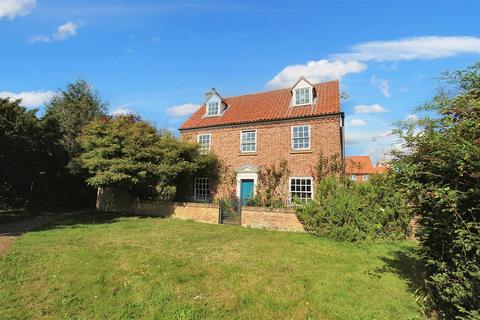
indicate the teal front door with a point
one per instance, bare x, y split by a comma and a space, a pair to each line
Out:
246, 190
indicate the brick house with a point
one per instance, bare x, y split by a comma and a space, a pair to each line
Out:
251, 131
360, 168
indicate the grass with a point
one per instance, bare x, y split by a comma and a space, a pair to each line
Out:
150, 268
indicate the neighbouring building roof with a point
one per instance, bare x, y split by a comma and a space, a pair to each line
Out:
267, 106
362, 165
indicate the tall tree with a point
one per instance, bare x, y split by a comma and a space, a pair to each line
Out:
439, 169
72, 109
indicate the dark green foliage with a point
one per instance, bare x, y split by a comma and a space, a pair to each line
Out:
24, 153
37, 155
440, 172
129, 153
349, 211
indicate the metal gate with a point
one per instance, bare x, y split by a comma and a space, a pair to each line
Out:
230, 211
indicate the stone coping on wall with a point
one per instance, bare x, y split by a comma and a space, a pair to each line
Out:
266, 209
196, 204
179, 204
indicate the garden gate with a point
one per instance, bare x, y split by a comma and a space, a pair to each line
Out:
230, 211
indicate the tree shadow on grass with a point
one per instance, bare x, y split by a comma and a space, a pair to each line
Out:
405, 263
91, 217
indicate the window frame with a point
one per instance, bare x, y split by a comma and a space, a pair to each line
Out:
290, 197
241, 141
292, 144
209, 108
202, 150
367, 176
208, 195
353, 177
309, 90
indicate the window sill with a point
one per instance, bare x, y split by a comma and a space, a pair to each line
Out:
303, 105
300, 151
248, 154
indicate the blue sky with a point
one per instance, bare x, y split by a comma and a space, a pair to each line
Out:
157, 58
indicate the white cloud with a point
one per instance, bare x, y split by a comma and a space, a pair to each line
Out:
373, 108
382, 135
412, 118
385, 88
182, 110
63, 32
357, 122
378, 144
429, 47
39, 38
352, 138
12, 8
122, 111
66, 30
315, 71
383, 85
30, 99
364, 137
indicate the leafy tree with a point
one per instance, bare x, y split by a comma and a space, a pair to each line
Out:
23, 152
439, 169
72, 109
129, 153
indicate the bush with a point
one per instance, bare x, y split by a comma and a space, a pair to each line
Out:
348, 211
440, 173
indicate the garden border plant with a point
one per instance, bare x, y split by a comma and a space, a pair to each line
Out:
348, 211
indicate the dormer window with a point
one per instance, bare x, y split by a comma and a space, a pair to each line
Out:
213, 108
303, 93
302, 96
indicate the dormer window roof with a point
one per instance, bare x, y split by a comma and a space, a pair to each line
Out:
302, 93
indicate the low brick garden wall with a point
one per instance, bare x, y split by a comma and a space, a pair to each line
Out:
201, 212
274, 219
119, 201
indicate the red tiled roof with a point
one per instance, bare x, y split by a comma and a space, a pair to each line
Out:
358, 165
270, 105
381, 169
363, 165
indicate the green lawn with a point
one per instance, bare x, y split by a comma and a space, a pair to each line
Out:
131, 268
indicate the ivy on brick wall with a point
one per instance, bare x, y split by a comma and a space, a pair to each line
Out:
272, 186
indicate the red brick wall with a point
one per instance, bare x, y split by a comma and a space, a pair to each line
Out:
274, 219
274, 143
119, 201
